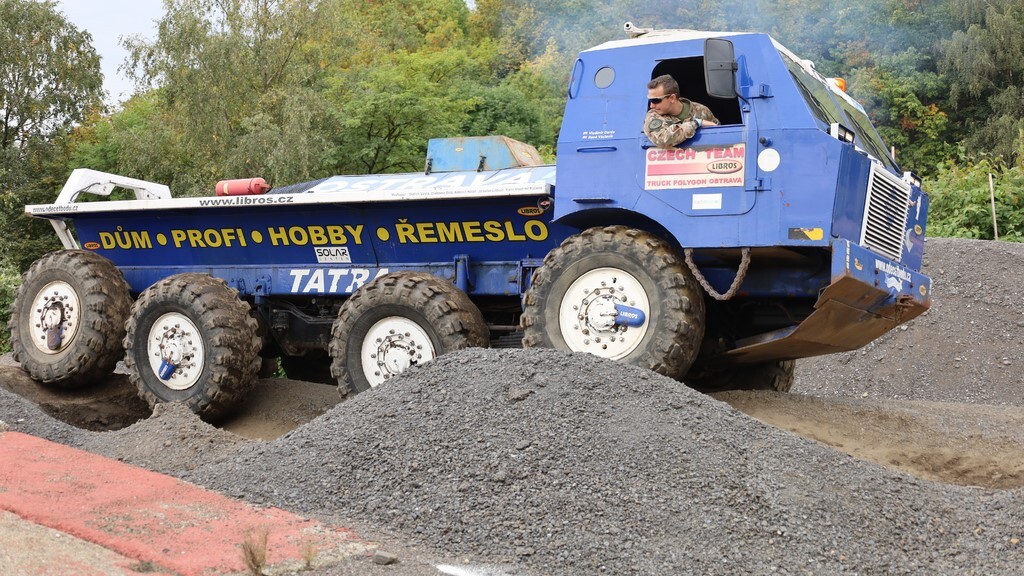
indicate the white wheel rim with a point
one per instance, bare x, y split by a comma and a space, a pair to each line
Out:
56, 316
392, 346
176, 338
586, 315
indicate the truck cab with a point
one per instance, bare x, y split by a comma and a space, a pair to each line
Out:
795, 174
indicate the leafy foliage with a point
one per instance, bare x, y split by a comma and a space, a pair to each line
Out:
914, 128
223, 69
387, 112
49, 80
49, 73
984, 64
10, 279
961, 201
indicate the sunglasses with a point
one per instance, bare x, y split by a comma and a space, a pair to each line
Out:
659, 99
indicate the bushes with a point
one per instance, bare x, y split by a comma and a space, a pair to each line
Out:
961, 206
9, 282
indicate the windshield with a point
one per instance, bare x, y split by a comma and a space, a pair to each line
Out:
830, 107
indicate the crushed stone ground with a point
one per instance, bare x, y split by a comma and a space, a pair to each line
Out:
545, 462
969, 347
563, 463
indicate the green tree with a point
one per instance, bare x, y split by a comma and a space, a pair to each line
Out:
903, 104
388, 111
49, 74
10, 279
287, 142
293, 90
984, 63
25, 238
49, 80
527, 105
140, 140
218, 69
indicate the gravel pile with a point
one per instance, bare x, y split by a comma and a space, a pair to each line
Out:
565, 464
551, 463
171, 441
23, 416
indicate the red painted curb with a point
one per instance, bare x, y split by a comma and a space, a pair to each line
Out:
151, 517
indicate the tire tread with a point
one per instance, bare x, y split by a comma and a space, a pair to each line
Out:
676, 344
105, 301
229, 334
454, 317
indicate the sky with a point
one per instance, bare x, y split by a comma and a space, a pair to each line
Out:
108, 21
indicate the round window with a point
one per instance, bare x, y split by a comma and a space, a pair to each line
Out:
604, 77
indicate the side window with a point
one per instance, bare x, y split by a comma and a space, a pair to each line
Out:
689, 73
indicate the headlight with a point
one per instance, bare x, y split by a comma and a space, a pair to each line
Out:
841, 132
912, 179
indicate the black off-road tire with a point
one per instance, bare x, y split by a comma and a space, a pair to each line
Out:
675, 321
209, 317
777, 375
445, 314
92, 330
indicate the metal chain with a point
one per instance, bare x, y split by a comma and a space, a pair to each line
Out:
740, 275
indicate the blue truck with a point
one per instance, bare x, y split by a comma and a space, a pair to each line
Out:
785, 232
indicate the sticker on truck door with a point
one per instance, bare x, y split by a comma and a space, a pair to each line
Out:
695, 167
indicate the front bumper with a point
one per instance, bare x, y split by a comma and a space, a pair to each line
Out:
868, 296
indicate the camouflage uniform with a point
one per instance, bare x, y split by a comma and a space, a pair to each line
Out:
668, 131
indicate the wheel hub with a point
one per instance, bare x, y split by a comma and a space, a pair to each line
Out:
395, 354
599, 313
57, 314
392, 346
176, 351
591, 310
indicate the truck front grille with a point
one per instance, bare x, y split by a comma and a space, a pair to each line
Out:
885, 213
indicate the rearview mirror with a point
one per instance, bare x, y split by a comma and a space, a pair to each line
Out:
719, 68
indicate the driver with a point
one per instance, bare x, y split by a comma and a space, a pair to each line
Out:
672, 119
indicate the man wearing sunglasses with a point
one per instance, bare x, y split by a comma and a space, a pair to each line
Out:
672, 119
